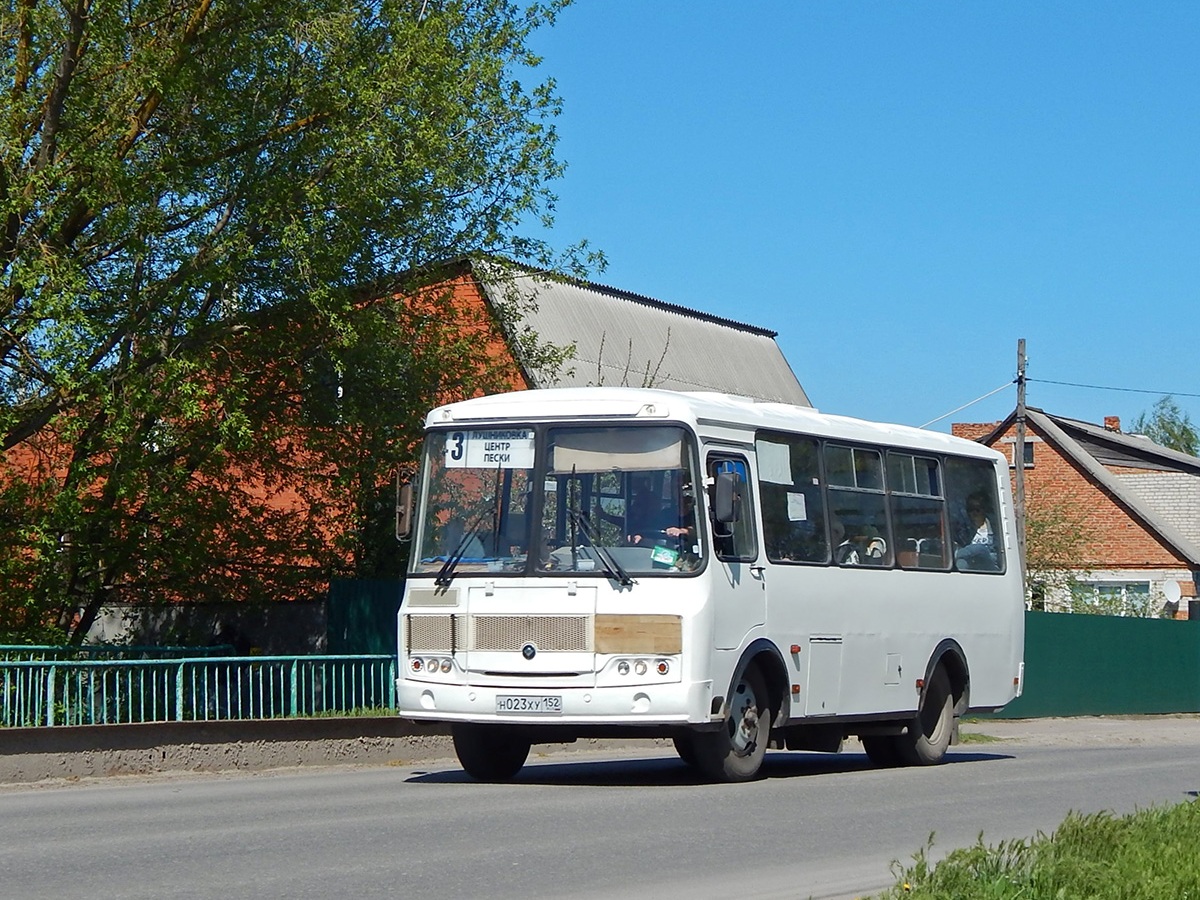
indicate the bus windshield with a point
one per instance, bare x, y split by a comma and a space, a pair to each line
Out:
613, 501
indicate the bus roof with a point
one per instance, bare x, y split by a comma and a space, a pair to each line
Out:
701, 410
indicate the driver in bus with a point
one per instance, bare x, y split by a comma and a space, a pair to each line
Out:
650, 517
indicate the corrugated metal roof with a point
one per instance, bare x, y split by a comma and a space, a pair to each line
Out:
627, 340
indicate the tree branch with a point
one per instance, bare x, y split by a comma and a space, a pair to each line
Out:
152, 100
55, 102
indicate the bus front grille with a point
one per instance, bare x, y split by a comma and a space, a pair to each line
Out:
427, 633
511, 633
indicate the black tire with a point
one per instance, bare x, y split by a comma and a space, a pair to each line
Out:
686, 750
735, 751
881, 749
928, 736
489, 752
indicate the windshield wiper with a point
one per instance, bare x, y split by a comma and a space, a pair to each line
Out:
445, 574
614, 568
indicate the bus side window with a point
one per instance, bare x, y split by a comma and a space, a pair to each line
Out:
858, 517
918, 511
793, 507
733, 541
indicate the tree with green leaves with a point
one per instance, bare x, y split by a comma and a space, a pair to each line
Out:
1168, 426
1057, 550
200, 203
1059, 558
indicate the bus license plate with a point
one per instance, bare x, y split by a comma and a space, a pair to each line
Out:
544, 705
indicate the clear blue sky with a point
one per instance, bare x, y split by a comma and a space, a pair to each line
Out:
901, 190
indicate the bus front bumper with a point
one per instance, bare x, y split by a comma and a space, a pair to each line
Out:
678, 703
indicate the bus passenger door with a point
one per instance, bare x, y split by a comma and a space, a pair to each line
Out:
739, 596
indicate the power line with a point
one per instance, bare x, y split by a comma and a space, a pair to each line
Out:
965, 405
1093, 387
1098, 387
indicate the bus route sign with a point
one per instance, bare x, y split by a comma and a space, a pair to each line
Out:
508, 449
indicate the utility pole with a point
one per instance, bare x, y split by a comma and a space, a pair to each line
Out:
1019, 452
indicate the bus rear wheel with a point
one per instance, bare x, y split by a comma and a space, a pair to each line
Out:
928, 736
735, 751
489, 752
882, 749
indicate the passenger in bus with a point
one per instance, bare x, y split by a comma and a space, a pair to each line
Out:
978, 552
862, 545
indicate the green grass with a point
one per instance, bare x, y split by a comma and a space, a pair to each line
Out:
357, 712
1153, 854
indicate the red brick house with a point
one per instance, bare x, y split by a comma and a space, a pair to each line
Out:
491, 313
1134, 508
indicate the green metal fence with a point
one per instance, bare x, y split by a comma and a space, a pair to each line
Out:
361, 615
1081, 665
93, 692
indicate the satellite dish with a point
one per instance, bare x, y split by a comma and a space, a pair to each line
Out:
1172, 591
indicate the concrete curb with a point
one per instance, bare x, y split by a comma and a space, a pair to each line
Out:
30, 755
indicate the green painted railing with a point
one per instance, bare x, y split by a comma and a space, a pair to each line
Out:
110, 692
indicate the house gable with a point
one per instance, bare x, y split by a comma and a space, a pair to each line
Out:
1139, 503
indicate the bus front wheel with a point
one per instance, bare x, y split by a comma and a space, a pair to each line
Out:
489, 752
735, 751
686, 750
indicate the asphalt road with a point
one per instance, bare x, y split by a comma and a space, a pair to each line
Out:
618, 824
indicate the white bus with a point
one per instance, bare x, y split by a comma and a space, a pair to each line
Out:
734, 575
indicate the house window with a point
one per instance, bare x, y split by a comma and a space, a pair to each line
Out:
1113, 598
1028, 455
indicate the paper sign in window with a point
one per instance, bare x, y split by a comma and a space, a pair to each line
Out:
774, 463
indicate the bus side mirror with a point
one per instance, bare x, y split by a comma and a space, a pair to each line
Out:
726, 505
404, 510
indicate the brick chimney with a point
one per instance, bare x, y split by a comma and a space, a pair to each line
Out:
1112, 423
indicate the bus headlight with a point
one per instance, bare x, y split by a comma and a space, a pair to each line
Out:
641, 668
432, 665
